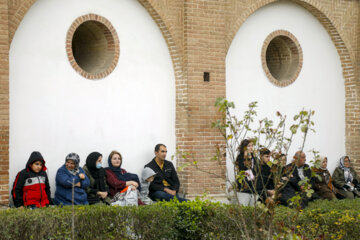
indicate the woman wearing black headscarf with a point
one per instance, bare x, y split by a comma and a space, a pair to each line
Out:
117, 178
98, 190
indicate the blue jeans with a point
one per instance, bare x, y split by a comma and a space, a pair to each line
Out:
161, 195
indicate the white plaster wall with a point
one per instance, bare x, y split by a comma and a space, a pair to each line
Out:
320, 85
56, 111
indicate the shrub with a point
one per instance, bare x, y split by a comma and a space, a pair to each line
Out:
187, 220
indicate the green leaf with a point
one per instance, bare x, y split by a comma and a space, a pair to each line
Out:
304, 128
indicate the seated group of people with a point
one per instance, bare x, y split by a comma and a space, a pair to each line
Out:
93, 184
280, 182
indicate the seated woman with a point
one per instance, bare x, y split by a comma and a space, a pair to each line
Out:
346, 180
323, 185
68, 174
97, 192
117, 178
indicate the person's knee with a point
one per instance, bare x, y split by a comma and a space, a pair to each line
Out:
350, 195
160, 195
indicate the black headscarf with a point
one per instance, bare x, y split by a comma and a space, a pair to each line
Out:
97, 173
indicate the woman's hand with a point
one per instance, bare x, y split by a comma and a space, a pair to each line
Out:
133, 183
102, 195
82, 176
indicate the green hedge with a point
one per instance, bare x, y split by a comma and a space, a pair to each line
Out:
188, 220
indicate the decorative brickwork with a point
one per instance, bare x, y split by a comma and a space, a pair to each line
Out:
17, 11
92, 46
281, 58
198, 34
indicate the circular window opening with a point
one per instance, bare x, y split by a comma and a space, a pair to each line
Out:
282, 58
92, 46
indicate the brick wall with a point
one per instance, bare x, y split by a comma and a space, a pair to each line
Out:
204, 51
198, 34
4, 103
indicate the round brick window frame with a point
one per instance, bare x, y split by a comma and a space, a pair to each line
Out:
112, 45
293, 46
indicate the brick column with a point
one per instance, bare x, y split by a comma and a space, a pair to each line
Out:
204, 51
4, 103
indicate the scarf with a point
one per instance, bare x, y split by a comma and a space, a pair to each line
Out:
324, 171
122, 175
347, 173
301, 172
97, 173
76, 159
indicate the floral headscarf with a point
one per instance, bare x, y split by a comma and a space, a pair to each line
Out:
347, 174
76, 159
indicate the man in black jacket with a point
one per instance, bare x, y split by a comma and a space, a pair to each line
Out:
166, 182
302, 171
296, 172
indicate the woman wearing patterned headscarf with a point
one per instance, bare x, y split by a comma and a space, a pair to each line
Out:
346, 179
323, 183
98, 190
69, 175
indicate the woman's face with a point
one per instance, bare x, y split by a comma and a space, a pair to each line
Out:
324, 163
250, 147
116, 160
283, 161
70, 164
347, 162
99, 160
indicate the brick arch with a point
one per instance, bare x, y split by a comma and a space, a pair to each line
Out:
352, 100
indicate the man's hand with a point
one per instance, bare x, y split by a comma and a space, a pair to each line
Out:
169, 191
285, 178
271, 192
82, 176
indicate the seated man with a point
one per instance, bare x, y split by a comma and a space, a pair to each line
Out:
166, 182
301, 171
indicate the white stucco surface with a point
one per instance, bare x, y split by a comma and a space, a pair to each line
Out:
56, 111
320, 85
